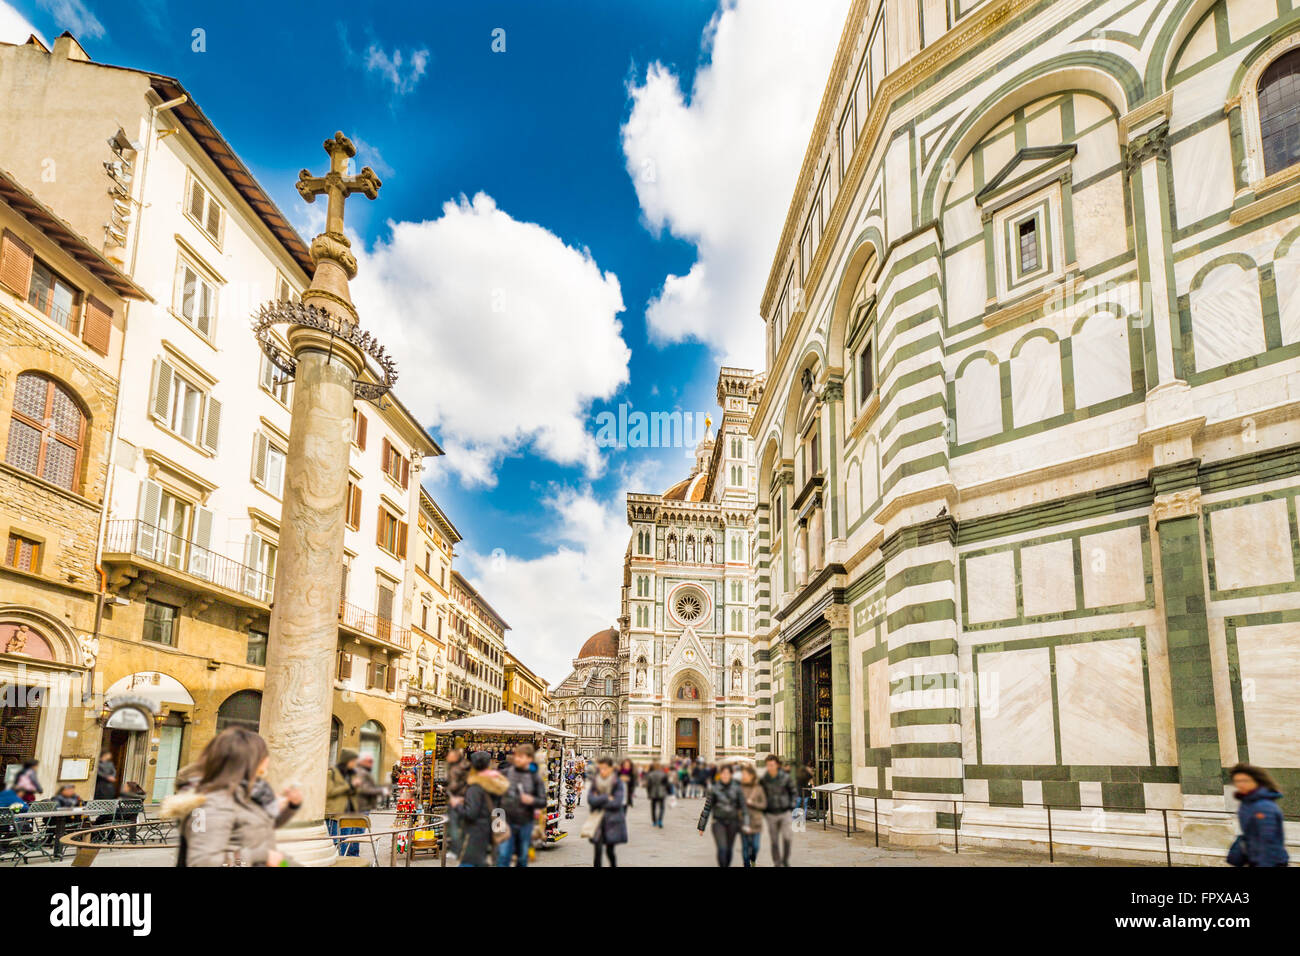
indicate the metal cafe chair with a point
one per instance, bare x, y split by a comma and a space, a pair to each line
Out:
361, 822
129, 810
21, 838
100, 813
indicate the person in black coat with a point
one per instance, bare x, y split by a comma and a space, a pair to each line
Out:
105, 777
726, 801
482, 796
1262, 841
608, 797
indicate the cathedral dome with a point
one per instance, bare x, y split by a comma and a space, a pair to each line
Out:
601, 644
688, 489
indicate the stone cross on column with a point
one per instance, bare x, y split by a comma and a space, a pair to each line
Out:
336, 183
329, 356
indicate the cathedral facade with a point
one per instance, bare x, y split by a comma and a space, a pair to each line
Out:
685, 652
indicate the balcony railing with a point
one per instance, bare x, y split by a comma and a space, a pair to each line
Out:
133, 536
366, 622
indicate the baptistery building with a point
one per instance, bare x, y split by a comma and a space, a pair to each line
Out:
1028, 461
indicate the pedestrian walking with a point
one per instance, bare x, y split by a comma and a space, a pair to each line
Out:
606, 826
105, 777
627, 773
803, 779
525, 796
483, 791
751, 830
228, 812
1262, 841
726, 801
657, 789
781, 796
369, 794
455, 785
341, 798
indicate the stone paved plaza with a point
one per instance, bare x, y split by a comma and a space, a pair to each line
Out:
679, 844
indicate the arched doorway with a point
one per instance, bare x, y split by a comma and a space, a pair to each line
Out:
687, 727
372, 742
241, 709
168, 702
41, 672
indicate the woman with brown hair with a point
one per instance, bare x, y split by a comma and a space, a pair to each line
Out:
227, 810
1262, 841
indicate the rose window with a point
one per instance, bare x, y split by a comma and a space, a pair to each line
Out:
689, 607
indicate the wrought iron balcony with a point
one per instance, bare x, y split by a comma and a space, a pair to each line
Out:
183, 561
368, 624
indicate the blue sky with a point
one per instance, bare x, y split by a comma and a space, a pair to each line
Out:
581, 220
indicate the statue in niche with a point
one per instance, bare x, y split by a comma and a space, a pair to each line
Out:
690, 547
672, 547
640, 678
708, 550
735, 676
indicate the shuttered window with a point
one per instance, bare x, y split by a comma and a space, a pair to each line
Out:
205, 210
97, 325
358, 429
182, 407
281, 389
268, 465
352, 505
47, 432
391, 533
15, 264
195, 298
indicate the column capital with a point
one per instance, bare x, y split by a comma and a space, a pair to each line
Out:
1179, 504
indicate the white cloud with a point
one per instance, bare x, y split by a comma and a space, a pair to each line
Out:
503, 334
718, 169
402, 73
14, 27
75, 17
556, 601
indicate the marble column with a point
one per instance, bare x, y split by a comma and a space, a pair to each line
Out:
300, 657
837, 615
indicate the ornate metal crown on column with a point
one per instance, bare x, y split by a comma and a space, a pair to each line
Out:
326, 305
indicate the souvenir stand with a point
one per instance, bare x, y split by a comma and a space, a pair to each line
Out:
497, 734
418, 803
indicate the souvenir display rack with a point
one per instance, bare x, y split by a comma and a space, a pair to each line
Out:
574, 779
418, 802
499, 744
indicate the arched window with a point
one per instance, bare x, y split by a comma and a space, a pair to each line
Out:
1279, 112
241, 709
48, 431
606, 733
737, 734
639, 734
609, 686
372, 742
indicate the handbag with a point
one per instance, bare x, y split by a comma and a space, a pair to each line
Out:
500, 829
592, 826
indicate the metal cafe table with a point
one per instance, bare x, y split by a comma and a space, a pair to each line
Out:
60, 820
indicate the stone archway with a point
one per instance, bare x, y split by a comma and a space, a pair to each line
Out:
689, 703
